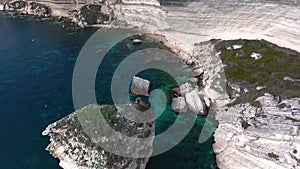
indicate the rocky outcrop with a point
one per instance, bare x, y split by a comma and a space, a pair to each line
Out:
28, 8
74, 139
254, 128
91, 15
140, 86
264, 134
196, 103
179, 105
197, 72
185, 88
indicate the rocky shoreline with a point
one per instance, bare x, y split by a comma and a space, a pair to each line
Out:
263, 135
74, 142
248, 132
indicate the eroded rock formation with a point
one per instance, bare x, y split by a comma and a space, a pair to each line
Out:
265, 135
74, 139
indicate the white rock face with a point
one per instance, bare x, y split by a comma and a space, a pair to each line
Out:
237, 46
195, 103
227, 19
256, 56
185, 88
140, 86
142, 2
197, 72
179, 105
264, 138
1, 7
203, 20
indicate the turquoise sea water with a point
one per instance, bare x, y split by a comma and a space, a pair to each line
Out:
37, 61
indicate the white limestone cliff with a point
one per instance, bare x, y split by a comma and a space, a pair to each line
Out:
264, 137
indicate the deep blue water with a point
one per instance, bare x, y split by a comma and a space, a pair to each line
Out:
37, 61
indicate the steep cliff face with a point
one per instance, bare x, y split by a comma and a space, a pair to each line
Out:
260, 127
274, 21
200, 20
264, 136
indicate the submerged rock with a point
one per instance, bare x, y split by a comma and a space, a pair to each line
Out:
179, 105
176, 91
140, 86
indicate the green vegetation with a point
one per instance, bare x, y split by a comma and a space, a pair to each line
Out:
18, 4
272, 155
256, 104
109, 113
93, 15
147, 134
282, 105
269, 71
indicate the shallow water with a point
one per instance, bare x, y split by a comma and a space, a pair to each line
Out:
37, 61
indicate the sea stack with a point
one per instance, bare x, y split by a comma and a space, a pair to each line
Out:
140, 86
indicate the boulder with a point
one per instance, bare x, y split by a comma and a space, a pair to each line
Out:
1, 7
195, 103
193, 81
189, 62
207, 101
136, 41
294, 131
179, 105
140, 86
185, 88
197, 72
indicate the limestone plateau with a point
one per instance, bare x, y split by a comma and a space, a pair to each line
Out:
258, 115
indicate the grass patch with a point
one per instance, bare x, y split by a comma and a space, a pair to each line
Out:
109, 113
245, 124
268, 71
272, 155
256, 104
93, 15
